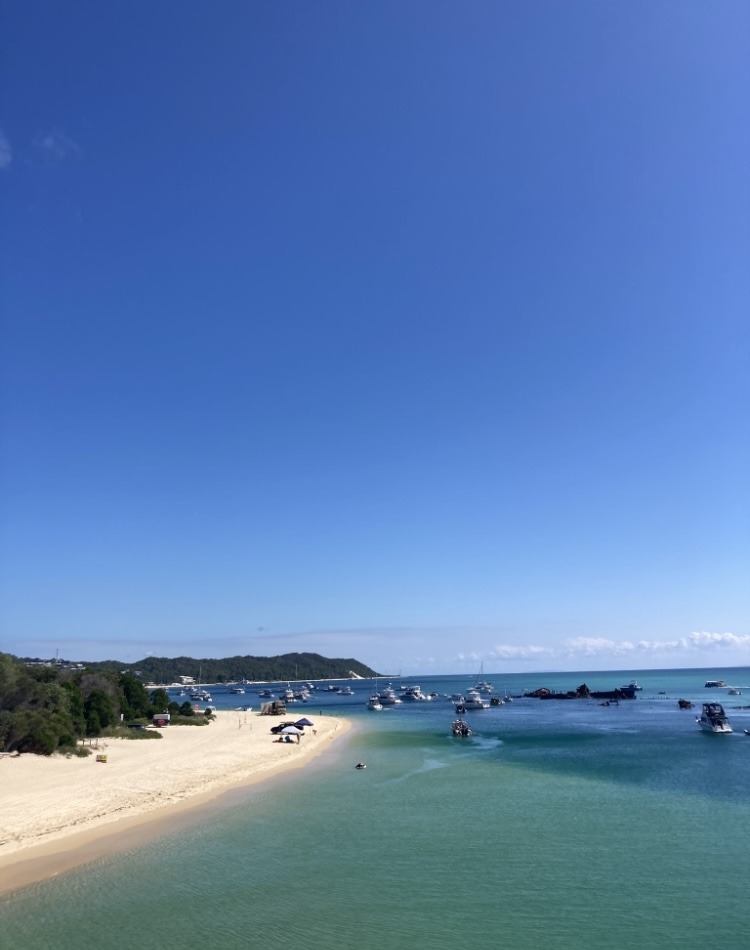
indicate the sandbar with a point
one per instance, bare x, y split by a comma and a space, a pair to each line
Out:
59, 811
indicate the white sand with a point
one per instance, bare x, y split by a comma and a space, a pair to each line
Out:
48, 801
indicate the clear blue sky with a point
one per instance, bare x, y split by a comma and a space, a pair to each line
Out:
410, 331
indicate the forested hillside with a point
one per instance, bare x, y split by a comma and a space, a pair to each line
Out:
290, 666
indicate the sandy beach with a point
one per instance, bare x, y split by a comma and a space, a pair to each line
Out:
53, 809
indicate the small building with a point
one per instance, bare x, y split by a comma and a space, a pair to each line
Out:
277, 707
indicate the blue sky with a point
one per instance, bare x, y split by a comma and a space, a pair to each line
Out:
409, 331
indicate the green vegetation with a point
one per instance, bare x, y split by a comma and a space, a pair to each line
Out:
290, 666
47, 709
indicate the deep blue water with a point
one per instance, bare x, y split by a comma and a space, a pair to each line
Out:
557, 823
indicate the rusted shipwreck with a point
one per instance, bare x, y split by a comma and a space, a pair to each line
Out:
583, 692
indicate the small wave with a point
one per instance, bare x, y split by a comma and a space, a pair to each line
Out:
486, 742
427, 765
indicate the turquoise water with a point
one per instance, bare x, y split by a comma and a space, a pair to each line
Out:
559, 823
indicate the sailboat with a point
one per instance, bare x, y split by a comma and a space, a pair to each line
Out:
373, 702
481, 685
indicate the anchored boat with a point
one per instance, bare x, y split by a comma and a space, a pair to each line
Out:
714, 719
461, 729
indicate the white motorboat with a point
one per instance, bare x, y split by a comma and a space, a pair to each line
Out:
473, 700
470, 702
287, 695
414, 694
632, 685
714, 719
346, 691
200, 694
388, 697
374, 703
715, 684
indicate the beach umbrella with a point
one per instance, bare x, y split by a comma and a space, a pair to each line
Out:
303, 722
291, 731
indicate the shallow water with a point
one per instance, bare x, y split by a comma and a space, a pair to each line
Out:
557, 823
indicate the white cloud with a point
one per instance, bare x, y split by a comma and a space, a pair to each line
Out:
530, 652
594, 646
704, 639
583, 647
56, 145
6, 153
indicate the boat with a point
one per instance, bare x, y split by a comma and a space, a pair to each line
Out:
632, 685
237, 689
360, 765
374, 703
461, 729
414, 694
388, 697
473, 700
346, 691
734, 692
714, 719
200, 694
287, 694
714, 684
481, 685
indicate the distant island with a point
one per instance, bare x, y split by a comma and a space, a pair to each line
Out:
48, 706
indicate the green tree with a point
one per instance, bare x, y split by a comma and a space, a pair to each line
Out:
134, 699
159, 701
98, 711
75, 705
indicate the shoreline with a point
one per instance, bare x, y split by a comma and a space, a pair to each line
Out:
61, 812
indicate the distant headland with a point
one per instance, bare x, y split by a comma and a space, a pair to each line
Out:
167, 670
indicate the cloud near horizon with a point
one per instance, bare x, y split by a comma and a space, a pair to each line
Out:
601, 646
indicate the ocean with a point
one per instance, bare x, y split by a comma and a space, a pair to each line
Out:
557, 824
